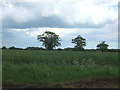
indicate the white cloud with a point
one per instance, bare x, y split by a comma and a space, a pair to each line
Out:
71, 12
85, 11
62, 32
18, 14
18, 30
92, 35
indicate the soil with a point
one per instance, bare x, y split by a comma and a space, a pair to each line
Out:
88, 83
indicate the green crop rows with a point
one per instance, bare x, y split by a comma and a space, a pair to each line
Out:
57, 66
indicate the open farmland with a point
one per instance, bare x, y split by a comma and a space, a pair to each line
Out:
35, 66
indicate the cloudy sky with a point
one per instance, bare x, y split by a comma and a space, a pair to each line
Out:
23, 20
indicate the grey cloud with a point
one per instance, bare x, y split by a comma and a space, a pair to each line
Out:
44, 17
18, 39
49, 21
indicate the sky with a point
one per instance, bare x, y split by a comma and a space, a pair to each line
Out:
94, 20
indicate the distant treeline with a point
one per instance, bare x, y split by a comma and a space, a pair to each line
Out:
28, 48
59, 49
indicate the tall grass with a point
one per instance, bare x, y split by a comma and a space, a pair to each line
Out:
57, 57
56, 66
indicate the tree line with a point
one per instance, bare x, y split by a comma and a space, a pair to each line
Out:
58, 49
50, 40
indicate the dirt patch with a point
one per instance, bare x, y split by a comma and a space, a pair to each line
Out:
88, 83
95, 83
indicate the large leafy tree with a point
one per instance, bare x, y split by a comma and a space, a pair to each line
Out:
102, 46
49, 39
80, 42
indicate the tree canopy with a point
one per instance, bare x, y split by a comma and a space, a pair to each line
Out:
102, 46
80, 42
49, 39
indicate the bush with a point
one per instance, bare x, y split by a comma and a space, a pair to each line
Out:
34, 48
4, 47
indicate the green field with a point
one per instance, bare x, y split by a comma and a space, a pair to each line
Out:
34, 66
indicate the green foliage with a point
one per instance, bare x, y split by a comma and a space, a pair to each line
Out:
12, 47
4, 47
103, 46
80, 43
57, 57
49, 39
34, 48
59, 73
56, 66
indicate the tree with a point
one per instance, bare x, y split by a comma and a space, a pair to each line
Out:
34, 48
49, 39
102, 46
4, 47
80, 42
12, 47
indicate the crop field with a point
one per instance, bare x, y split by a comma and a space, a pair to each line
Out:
35, 66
